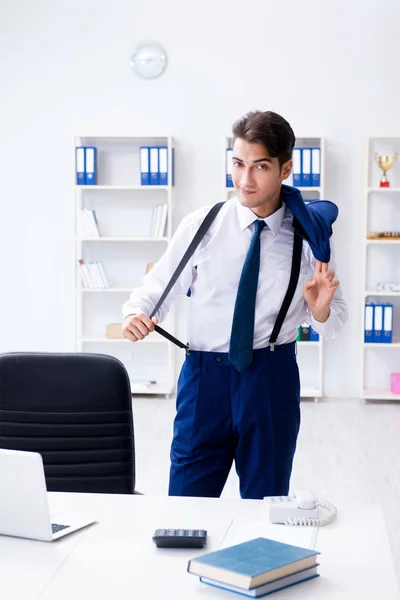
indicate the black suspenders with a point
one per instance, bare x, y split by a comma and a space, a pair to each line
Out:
204, 227
293, 281
201, 232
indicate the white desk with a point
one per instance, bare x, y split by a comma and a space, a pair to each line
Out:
116, 558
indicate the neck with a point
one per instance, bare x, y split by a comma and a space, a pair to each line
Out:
270, 206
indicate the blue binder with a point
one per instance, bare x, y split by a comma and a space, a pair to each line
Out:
387, 323
163, 165
154, 170
296, 169
316, 167
369, 323
144, 165
378, 324
80, 165
90, 165
306, 167
229, 154
314, 336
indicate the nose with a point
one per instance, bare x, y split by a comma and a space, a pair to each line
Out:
246, 178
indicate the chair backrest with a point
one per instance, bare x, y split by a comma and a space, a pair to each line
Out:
76, 410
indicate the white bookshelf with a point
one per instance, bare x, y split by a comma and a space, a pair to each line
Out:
124, 210
309, 354
380, 264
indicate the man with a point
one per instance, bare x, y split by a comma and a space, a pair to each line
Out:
238, 392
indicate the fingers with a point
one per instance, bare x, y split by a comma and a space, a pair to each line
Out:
329, 275
309, 284
137, 327
321, 267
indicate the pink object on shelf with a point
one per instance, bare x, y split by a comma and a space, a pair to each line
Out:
395, 383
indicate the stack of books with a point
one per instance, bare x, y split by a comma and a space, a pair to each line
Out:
89, 224
256, 568
159, 221
92, 275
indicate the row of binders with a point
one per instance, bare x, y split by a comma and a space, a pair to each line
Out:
89, 224
306, 167
158, 227
86, 165
92, 275
378, 324
305, 333
154, 165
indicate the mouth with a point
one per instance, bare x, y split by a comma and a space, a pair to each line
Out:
247, 192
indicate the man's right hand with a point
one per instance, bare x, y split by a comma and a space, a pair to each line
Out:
137, 327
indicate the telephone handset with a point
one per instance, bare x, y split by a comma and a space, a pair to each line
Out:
301, 508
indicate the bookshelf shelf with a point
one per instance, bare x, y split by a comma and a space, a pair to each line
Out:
128, 229
380, 260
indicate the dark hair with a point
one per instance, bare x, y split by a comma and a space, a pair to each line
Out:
269, 129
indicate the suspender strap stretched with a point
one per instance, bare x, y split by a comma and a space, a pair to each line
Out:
293, 281
204, 227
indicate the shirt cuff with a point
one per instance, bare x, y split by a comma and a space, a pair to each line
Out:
325, 329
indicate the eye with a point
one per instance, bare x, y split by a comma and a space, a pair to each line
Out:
262, 167
236, 164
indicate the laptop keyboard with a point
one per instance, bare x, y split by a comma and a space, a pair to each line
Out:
56, 528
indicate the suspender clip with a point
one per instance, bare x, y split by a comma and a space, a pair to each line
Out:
272, 346
187, 350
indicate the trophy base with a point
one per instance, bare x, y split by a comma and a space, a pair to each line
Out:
384, 184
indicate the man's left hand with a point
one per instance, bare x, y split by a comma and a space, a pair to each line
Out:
319, 291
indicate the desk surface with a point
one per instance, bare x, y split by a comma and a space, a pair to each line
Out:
116, 557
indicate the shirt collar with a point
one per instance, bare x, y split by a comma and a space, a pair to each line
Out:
247, 217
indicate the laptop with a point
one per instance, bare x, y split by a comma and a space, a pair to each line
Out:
24, 509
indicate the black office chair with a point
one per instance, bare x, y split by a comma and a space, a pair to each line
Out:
76, 410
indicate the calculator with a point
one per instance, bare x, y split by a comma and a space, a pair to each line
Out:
180, 538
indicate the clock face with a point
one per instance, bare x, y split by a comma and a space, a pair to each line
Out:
149, 60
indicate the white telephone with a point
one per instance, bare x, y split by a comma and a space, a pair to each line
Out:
301, 508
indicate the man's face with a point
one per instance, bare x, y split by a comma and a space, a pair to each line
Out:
257, 176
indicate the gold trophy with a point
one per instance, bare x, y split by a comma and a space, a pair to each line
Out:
385, 163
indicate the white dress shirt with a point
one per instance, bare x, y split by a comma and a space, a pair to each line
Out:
213, 275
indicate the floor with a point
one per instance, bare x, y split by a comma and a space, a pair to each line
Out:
347, 451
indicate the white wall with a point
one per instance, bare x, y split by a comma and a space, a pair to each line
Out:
330, 68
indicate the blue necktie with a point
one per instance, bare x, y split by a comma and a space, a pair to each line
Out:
242, 334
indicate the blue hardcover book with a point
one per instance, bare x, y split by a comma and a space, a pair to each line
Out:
253, 563
306, 167
90, 165
163, 165
267, 588
80, 165
369, 323
387, 324
154, 169
144, 165
314, 336
296, 169
229, 182
316, 167
378, 324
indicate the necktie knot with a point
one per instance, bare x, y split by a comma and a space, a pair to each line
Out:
258, 226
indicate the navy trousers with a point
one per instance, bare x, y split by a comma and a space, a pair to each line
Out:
252, 418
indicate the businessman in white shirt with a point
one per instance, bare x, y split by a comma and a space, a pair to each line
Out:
238, 395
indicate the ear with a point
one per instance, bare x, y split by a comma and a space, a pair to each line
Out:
286, 170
